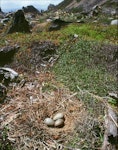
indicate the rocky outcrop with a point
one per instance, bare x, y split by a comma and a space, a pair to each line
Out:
19, 23
51, 7
84, 5
7, 53
30, 9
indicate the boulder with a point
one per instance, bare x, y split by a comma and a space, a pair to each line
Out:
7, 75
7, 53
57, 24
51, 7
30, 9
114, 22
19, 23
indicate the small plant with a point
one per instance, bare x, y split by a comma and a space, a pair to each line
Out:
113, 102
5, 144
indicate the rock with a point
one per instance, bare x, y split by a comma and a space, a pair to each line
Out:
114, 22
49, 20
30, 17
51, 7
59, 123
58, 116
95, 21
7, 75
57, 24
7, 53
80, 21
75, 35
19, 23
113, 95
3, 92
49, 122
9, 15
30, 9
33, 23
5, 20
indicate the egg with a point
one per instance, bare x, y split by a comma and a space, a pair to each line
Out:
58, 116
49, 122
59, 123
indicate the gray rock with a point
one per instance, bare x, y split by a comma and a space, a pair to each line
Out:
7, 75
113, 95
5, 20
9, 15
114, 22
7, 54
51, 7
19, 23
75, 35
57, 24
80, 21
30, 9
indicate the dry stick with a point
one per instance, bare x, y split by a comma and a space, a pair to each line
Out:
113, 120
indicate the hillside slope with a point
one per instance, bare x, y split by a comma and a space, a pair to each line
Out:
84, 4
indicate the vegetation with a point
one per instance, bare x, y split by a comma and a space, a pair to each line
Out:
93, 31
86, 65
81, 65
5, 143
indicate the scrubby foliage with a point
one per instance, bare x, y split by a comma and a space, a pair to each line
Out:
84, 69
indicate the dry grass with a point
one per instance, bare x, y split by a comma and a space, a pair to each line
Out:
28, 106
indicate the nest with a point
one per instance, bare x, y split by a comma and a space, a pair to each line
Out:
28, 105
